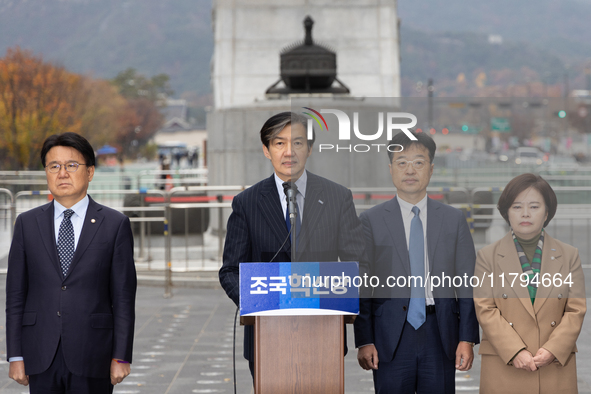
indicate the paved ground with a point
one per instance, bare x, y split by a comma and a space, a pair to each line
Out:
184, 343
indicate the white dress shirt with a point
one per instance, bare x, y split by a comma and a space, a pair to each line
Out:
77, 218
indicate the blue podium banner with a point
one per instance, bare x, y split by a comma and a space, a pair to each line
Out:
288, 289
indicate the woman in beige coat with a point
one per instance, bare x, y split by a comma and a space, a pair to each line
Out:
530, 300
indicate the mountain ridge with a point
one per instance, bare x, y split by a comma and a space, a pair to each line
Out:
440, 39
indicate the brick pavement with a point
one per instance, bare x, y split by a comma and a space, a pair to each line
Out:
183, 344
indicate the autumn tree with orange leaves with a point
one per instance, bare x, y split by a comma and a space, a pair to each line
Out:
35, 102
38, 99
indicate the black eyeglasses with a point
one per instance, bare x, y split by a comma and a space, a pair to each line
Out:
54, 168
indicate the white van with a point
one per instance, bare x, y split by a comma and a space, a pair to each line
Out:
528, 156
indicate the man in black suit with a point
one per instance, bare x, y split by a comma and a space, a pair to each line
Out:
71, 283
414, 338
257, 228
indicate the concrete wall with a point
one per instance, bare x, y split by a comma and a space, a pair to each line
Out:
235, 155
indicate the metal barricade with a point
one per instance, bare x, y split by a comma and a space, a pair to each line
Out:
571, 223
204, 199
103, 179
168, 179
171, 236
7, 208
498, 176
371, 196
26, 200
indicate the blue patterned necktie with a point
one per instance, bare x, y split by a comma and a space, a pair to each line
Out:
416, 252
65, 241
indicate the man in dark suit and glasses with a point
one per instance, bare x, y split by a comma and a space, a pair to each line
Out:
414, 338
258, 226
71, 283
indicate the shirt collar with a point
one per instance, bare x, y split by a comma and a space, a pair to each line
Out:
406, 207
300, 183
79, 208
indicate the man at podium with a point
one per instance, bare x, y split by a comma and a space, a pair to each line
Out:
414, 336
327, 227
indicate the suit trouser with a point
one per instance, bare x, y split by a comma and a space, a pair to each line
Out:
419, 365
57, 379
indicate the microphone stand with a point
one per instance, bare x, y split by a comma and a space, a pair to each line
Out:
291, 191
293, 220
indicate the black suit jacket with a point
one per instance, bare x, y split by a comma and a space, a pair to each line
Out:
451, 253
256, 230
91, 310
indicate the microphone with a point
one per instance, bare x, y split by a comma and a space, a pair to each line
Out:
291, 190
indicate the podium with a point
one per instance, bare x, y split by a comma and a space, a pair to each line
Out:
299, 330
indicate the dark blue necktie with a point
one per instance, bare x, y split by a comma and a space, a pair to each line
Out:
416, 252
65, 241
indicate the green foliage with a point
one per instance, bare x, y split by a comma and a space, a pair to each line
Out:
149, 151
132, 85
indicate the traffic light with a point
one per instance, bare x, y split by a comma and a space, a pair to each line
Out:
561, 114
465, 128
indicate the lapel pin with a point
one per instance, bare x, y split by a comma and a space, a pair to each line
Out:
320, 201
92, 220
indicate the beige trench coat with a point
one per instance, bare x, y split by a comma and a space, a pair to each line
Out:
510, 322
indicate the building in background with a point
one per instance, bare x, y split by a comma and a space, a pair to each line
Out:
183, 142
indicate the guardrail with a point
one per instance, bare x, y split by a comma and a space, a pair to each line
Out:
36, 198
173, 229
7, 208
167, 179
203, 201
117, 178
571, 223
160, 249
